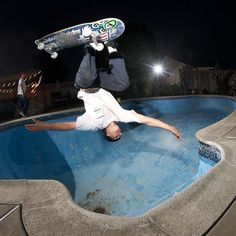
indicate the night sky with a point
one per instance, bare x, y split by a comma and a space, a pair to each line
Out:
196, 30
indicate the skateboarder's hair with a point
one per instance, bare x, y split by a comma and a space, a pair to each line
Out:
108, 138
22, 75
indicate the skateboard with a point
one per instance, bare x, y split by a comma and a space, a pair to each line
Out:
94, 32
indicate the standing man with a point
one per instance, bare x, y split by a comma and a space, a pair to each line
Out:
22, 101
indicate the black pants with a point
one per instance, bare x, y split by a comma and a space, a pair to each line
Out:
22, 104
116, 79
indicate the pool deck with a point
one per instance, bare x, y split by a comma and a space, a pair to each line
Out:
45, 207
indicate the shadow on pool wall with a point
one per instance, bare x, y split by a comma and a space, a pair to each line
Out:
34, 156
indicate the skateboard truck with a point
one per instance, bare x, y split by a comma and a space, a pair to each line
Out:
95, 44
41, 47
88, 33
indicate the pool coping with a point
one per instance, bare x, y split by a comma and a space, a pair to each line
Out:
48, 209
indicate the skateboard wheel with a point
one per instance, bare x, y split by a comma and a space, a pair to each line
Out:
54, 55
40, 46
99, 47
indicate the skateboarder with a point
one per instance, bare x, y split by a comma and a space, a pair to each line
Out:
102, 111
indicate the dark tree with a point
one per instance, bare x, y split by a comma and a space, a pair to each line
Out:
53, 70
138, 45
222, 83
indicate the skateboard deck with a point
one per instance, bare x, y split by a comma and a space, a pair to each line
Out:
100, 31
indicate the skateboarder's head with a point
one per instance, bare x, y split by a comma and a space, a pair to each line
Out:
112, 132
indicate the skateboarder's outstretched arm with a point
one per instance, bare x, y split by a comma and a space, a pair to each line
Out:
157, 124
39, 126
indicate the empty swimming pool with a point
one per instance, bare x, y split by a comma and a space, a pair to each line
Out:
126, 178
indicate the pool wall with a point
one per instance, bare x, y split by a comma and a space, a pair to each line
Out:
45, 207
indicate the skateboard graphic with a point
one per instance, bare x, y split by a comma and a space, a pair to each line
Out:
94, 32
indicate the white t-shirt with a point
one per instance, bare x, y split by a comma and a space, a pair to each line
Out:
101, 108
21, 88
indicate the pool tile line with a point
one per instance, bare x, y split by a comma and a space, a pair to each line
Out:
209, 152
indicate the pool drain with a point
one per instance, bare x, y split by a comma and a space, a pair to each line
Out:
100, 210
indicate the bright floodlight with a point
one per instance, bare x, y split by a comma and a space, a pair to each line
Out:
158, 69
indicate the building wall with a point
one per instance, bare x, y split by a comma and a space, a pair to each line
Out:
177, 79
54, 95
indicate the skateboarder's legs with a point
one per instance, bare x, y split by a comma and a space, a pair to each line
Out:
87, 73
117, 79
93, 72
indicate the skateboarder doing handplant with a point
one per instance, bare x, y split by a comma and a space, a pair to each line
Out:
99, 72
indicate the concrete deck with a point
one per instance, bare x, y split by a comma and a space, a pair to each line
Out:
47, 207
225, 224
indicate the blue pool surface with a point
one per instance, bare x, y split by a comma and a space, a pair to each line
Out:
126, 178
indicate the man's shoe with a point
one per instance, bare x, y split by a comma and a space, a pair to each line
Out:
112, 44
21, 113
